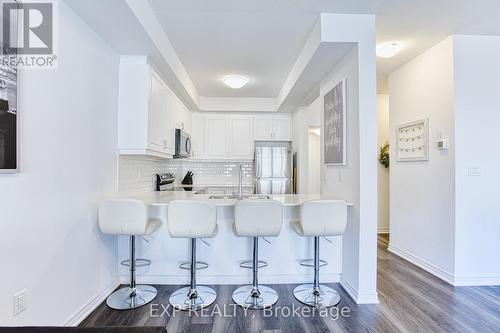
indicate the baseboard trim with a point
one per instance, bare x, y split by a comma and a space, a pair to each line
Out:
91, 305
476, 281
426, 266
231, 279
359, 298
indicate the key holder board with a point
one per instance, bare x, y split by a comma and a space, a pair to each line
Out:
413, 141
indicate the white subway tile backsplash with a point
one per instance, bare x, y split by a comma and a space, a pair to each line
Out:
136, 173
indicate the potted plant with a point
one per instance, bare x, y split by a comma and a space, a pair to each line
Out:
383, 155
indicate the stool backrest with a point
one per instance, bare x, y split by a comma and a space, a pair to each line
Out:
191, 218
258, 218
323, 217
123, 216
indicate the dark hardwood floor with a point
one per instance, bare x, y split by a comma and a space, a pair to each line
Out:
411, 300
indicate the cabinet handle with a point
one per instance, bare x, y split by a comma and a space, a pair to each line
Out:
165, 144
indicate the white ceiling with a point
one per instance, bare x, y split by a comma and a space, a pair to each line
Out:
212, 45
423, 23
261, 38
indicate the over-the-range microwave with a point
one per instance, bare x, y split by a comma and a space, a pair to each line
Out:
182, 144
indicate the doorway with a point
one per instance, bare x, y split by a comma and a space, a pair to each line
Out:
314, 159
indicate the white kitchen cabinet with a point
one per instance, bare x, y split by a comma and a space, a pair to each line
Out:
144, 117
269, 128
217, 137
233, 136
263, 128
222, 137
241, 138
282, 129
197, 135
157, 122
182, 116
186, 119
149, 111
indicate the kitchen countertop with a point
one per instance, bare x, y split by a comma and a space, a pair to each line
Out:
163, 198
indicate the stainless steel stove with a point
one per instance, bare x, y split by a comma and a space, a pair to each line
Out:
166, 182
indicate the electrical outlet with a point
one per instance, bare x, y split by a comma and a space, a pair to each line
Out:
20, 302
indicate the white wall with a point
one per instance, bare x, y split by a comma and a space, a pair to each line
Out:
359, 275
383, 172
422, 193
344, 181
477, 118
51, 243
300, 147
449, 225
302, 119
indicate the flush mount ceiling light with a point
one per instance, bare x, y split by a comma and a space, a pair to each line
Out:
389, 49
235, 81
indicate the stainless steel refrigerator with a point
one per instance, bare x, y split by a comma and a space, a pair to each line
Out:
273, 167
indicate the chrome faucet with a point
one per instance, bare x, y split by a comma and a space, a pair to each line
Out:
240, 186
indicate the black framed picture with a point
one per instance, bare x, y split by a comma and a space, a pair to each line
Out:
9, 127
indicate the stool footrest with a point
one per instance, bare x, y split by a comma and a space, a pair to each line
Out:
310, 263
248, 264
186, 265
138, 262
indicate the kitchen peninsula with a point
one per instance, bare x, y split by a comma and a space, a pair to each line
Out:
225, 251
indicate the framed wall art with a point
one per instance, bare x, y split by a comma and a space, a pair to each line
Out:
9, 122
335, 147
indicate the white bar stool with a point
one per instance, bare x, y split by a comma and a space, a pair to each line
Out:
256, 218
319, 218
128, 217
192, 219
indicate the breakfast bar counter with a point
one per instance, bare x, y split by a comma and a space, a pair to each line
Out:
163, 198
226, 251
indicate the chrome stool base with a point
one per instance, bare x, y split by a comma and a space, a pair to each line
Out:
181, 299
243, 297
324, 298
127, 298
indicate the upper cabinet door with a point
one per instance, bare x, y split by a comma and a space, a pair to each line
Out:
282, 129
242, 144
198, 136
187, 121
158, 120
263, 128
172, 106
217, 136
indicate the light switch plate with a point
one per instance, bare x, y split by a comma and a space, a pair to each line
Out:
473, 171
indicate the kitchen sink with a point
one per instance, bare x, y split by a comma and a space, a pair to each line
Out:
224, 196
257, 196
235, 196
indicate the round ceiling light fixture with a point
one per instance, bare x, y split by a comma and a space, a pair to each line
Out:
389, 49
235, 81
